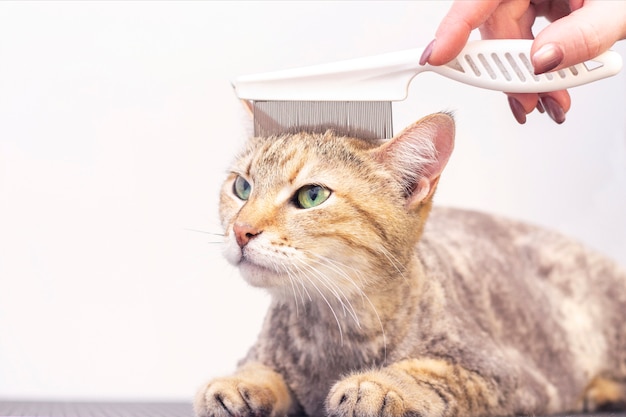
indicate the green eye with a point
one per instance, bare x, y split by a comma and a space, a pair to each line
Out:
242, 188
311, 196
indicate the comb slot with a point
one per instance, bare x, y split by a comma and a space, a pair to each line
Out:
529, 67
486, 66
517, 69
503, 66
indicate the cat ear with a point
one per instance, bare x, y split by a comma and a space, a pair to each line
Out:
418, 155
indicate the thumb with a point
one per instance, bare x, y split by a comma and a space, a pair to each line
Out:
579, 36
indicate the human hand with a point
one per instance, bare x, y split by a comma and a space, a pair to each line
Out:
580, 30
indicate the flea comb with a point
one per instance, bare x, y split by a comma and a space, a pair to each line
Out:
353, 97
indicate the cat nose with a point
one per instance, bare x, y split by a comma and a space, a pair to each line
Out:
244, 233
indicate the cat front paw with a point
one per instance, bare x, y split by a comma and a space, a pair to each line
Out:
255, 390
357, 396
234, 396
376, 393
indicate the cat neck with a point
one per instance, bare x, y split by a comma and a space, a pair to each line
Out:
375, 316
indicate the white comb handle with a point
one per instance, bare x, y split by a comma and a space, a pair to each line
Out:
505, 65
502, 65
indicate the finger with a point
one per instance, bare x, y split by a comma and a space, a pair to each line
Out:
556, 9
580, 36
522, 104
556, 104
511, 20
563, 98
456, 26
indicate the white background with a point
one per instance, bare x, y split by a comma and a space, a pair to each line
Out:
117, 123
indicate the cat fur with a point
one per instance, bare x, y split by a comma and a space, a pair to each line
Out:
378, 312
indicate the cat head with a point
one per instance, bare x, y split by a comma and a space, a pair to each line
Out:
322, 213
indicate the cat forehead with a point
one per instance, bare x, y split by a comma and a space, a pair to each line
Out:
289, 155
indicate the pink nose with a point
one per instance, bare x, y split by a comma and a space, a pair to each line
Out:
244, 233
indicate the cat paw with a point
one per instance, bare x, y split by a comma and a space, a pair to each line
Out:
362, 397
234, 396
376, 393
255, 390
227, 397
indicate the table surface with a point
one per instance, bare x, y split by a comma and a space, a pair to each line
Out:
12, 408
94, 409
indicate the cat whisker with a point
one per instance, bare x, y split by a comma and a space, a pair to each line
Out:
338, 267
382, 327
295, 296
293, 281
397, 265
304, 289
220, 241
321, 293
280, 266
328, 284
203, 231
336, 291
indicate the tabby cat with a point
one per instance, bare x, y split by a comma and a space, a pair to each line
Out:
378, 312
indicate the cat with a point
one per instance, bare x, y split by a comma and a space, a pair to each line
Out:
376, 311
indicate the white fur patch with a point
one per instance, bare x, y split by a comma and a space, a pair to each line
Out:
586, 342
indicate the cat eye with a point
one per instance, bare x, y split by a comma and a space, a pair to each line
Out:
242, 188
311, 196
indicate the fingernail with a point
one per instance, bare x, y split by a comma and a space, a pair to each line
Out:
518, 110
540, 108
554, 110
427, 52
547, 58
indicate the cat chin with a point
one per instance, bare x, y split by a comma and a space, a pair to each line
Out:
259, 276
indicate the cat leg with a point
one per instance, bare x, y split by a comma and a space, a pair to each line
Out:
254, 390
418, 387
605, 394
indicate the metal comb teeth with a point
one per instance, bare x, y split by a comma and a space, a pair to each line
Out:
361, 119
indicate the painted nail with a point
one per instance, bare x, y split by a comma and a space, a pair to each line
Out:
427, 52
518, 110
547, 58
540, 108
554, 110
